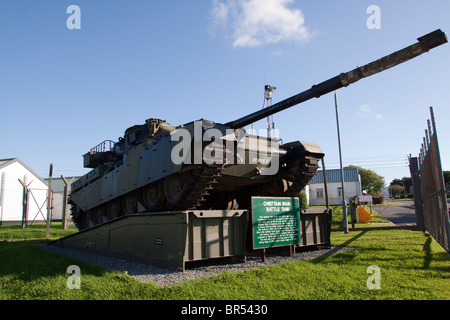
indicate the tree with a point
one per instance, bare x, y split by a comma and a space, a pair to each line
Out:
396, 189
396, 182
371, 182
405, 182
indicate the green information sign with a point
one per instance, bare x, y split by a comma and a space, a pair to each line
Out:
276, 222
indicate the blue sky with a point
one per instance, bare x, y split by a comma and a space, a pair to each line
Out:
63, 91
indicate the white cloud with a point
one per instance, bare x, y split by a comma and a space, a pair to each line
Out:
365, 111
219, 12
253, 23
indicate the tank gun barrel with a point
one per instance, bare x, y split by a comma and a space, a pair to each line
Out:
424, 44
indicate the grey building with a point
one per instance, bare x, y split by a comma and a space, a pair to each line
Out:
352, 186
58, 193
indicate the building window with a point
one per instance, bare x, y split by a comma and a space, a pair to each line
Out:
319, 193
339, 192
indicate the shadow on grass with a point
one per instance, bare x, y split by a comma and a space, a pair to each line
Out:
427, 250
440, 260
344, 256
26, 261
356, 237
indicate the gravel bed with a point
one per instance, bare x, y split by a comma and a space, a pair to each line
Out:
164, 277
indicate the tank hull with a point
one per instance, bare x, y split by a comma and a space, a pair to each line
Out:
212, 166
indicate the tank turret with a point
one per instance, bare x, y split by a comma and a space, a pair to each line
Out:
208, 165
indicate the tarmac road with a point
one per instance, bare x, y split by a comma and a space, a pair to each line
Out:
399, 212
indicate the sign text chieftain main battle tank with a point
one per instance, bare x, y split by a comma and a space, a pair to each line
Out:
203, 164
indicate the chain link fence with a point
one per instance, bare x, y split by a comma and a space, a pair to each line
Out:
431, 192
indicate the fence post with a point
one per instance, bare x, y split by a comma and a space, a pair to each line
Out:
24, 204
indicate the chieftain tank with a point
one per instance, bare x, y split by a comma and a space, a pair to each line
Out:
208, 165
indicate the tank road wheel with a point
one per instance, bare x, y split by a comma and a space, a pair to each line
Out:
113, 209
89, 219
221, 201
153, 196
231, 202
279, 187
129, 203
100, 214
174, 187
244, 201
85, 220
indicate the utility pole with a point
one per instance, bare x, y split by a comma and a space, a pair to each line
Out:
344, 203
49, 200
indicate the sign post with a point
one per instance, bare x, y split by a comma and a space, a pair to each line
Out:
275, 223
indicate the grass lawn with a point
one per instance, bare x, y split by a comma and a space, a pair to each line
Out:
34, 231
412, 265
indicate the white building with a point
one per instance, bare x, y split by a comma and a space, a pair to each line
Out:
12, 193
352, 186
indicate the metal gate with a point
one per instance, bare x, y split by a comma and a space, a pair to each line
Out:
432, 187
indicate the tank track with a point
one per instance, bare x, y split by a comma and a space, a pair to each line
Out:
309, 168
194, 196
293, 184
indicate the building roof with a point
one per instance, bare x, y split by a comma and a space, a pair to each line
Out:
334, 175
6, 162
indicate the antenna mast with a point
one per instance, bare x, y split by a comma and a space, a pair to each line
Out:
268, 90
